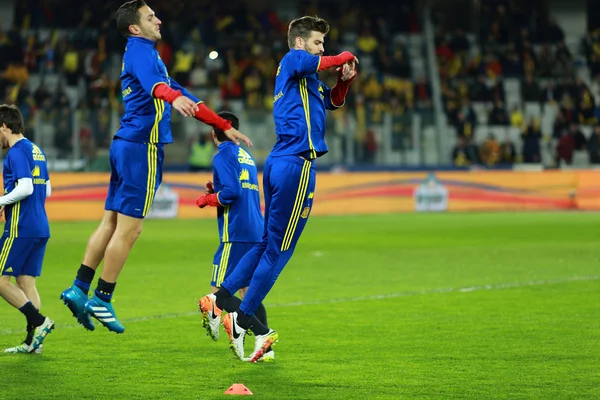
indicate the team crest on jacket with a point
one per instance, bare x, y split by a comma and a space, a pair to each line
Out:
305, 212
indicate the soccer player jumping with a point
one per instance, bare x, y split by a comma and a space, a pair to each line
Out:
136, 158
299, 108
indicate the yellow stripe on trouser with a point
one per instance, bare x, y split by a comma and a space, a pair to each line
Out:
13, 233
153, 157
306, 106
215, 271
224, 263
5, 252
297, 210
151, 182
225, 237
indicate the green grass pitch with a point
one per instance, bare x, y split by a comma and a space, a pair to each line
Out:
445, 306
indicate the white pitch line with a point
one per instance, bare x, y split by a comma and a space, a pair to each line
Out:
468, 289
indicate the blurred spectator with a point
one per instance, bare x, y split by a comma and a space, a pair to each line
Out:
532, 136
546, 61
517, 119
464, 154
508, 153
201, 153
498, 115
422, 93
530, 90
367, 42
560, 125
593, 146
490, 151
579, 140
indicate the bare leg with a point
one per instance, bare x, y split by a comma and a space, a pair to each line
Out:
27, 285
122, 240
98, 242
12, 294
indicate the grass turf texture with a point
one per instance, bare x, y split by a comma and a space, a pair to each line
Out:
451, 306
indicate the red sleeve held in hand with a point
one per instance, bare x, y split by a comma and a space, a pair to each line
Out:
339, 91
208, 200
164, 92
335, 61
209, 117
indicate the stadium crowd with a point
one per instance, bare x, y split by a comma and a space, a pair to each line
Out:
82, 48
515, 44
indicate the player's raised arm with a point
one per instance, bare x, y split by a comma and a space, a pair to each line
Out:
336, 96
20, 169
204, 114
231, 187
301, 62
146, 70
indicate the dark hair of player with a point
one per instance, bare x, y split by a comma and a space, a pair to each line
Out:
128, 15
303, 26
11, 116
235, 123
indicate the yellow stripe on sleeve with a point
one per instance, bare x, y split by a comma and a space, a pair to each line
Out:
306, 105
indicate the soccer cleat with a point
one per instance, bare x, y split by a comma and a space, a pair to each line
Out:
236, 334
211, 315
40, 332
269, 356
262, 347
75, 299
24, 348
105, 313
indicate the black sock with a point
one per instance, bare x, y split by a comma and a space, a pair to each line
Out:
84, 278
105, 290
232, 304
34, 318
223, 296
246, 321
29, 337
261, 314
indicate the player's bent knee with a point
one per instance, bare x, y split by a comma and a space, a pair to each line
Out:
25, 282
109, 221
4, 281
128, 227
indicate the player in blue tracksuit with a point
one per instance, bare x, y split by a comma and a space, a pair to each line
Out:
136, 157
26, 231
300, 104
235, 193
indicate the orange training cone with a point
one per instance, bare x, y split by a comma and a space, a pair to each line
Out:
238, 388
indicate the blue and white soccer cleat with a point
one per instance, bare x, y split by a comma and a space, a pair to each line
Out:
40, 333
24, 348
75, 299
105, 313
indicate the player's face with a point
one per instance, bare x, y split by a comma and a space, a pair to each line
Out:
4, 131
149, 26
314, 44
